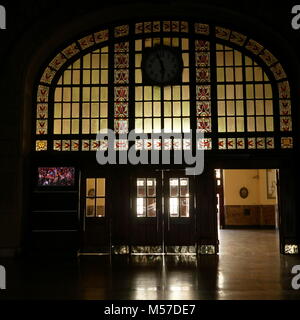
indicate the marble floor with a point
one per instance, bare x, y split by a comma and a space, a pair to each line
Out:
249, 266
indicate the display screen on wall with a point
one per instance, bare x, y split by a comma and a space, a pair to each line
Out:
56, 176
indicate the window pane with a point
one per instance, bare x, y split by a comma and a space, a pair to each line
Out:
151, 207
151, 187
174, 187
184, 207
174, 207
100, 207
141, 207
90, 207
184, 187
90, 187
100, 187
141, 187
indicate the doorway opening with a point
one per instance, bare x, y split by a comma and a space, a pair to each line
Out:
247, 209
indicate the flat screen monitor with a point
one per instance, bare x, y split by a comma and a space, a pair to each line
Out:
56, 176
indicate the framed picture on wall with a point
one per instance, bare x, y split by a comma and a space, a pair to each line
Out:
271, 184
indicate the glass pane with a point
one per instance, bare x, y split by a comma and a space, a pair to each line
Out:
90, 207
151, 207
100, 207
184, 207
151, 187
184, 187
101, 187
141, 187
141, 207
90, 188
174, 187
174, 208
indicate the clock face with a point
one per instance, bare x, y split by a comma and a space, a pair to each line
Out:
162, 65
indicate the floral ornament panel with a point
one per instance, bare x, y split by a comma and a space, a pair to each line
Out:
285, 107
222, 33
202, 45
58, 61
41, 127
201, 28
42, 94
71, 50
284, 90
251, 143
202, 75
41, 145
267, 57
121, 144
204, 144
121, 93
122, 31
57, 145
260, 143
85, 145
204, 124
48, 75
75, 145
87, 41
285, 123
121, 126
202, 92
254, 47
278, 71
203, 109
237, 38
121, 109
42, 111
66, 145
122, 47
121, 60
101, 36
286, 142
121, 76
270, 144
202, 59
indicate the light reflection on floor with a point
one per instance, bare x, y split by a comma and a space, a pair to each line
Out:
248, 267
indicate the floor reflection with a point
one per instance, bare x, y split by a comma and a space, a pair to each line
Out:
248, 267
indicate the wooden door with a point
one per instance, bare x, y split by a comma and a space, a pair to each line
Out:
179, 217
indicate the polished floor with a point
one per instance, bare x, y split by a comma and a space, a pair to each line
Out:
248, 267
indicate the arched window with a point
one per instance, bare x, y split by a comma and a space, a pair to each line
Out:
231, 88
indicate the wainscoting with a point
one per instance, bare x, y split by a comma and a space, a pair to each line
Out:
261, 216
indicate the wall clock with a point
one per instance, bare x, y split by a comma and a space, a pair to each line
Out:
162, 66
244, 192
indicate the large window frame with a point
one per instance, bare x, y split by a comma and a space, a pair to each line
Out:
202, 94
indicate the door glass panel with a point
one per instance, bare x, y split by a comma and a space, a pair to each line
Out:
100, 187
173, 187
90, 187
151, 187
140, 207
184, 207
179, 197
146, 197
174, 208
151, 207
141, 188
100, 207
90, 207
184, 187
95, 197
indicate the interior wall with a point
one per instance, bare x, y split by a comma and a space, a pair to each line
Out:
254, 180
258, 208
